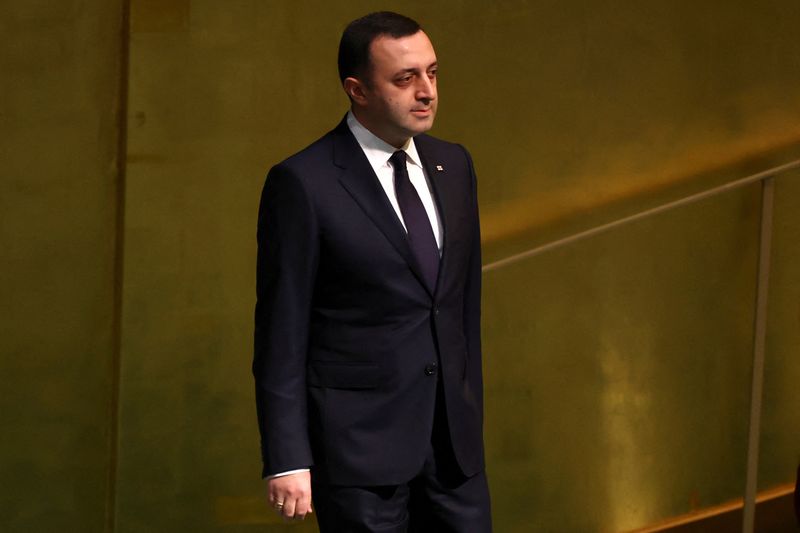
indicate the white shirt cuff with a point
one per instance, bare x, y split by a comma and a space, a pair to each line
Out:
281, 474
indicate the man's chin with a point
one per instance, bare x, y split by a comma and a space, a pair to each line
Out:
421, 126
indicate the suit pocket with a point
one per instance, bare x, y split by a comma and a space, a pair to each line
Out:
344, 375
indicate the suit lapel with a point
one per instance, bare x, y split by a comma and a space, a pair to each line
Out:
440, 193
360, 181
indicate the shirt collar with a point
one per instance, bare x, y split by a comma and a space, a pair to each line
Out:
376, 149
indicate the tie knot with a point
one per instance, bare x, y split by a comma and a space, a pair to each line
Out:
398, 160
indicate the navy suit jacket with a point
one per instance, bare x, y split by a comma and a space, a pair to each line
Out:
349, 340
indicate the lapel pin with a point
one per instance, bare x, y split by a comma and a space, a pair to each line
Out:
440, 168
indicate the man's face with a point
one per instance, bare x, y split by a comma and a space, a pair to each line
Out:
400, 99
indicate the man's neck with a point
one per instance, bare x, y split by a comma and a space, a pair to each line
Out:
364, 121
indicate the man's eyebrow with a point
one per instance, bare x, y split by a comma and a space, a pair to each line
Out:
413, 70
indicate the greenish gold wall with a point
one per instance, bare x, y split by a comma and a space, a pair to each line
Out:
58, 109
618, 372
617, 368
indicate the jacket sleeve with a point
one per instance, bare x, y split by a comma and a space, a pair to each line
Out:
285, 274
472, 296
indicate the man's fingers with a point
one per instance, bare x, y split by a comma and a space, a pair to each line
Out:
277, 499
303, 507
289, 508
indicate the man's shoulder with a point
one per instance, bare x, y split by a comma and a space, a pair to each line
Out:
315, 155
435, 146
310, 168
429, 141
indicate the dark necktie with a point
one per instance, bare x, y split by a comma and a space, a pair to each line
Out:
420, 234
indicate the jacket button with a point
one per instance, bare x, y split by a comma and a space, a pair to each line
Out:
430, 369
435, 310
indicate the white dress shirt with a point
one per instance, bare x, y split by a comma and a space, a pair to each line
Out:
378, 153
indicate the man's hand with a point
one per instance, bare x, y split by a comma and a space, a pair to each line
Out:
290, 495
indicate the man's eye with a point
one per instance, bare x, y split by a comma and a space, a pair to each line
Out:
432, 74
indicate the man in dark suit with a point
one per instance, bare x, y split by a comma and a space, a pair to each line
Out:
367, 344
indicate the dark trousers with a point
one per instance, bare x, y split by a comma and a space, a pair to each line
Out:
439, 499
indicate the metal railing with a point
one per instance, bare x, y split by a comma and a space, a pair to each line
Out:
767, 178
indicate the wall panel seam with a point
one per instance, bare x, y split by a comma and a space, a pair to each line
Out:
119, 249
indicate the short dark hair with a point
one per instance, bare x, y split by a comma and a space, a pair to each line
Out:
354, 60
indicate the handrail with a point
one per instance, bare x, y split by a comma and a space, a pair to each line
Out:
766, 177
759, 349
644, 214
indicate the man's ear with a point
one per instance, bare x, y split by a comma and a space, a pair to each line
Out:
355, 90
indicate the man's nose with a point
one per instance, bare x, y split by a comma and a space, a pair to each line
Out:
426, 88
